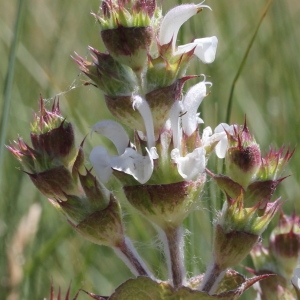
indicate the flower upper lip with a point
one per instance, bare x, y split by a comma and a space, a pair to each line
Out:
191, 102
204, 49
128, 161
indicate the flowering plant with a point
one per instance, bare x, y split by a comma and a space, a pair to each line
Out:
159, 158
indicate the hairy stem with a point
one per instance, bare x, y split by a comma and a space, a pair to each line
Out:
175, 255
212, 278
131, 258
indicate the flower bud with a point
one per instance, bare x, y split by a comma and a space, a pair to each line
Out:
285, 244
128, 35
267, 178
238, 229
235, 216
257, 193
280, 258
243, 157
273, 164
52, 136
54, 169
49, 162
112, 77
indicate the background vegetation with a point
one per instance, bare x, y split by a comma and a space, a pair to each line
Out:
48, 32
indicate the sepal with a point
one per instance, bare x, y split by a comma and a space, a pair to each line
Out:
129, 45
232, 247
103, 227
166, 205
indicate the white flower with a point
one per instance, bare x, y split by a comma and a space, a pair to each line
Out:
128, 161
205, 48
206, 135
222, 146
183, 114
191, 165
219, 137
191, 102
296, 278
184, 118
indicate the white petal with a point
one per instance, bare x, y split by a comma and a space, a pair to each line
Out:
221, 147
100, 160
220, 133
199, 120
113, 131
222, 127
296, 278
206, 49
174, 19
144, 109
191, 165
185, 48
207, 132
208, 140
153, 153
135, 164
191, 102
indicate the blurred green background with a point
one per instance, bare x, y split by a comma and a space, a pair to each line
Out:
267, 93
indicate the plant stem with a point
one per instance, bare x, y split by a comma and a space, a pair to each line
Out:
131, 258
175, 255
212, 278
8, 83
239, 71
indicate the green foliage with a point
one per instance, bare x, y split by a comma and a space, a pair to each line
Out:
267, 92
